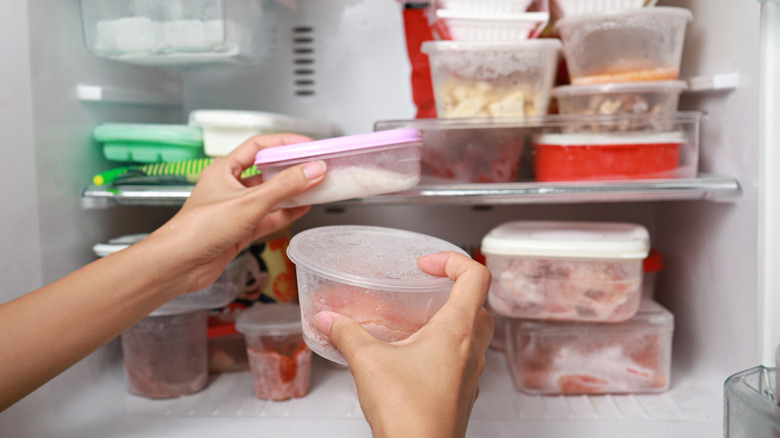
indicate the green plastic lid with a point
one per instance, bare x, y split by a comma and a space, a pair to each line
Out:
182, 135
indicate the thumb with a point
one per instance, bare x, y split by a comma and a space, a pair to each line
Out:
291, 182
343, 332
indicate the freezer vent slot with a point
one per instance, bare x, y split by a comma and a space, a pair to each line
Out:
303, 60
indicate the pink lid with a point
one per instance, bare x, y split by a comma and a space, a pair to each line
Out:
314, 149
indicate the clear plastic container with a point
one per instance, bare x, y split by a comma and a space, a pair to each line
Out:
224, 130
489, 6
165, 356
184, 33
369, 274
149, 143
279, 359
659, 97
750, 408
358, 165
493, 27
568, 8
574, 271
551, 357
492, 79
633, 45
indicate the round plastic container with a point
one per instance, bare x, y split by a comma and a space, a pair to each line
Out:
492, 79
369, 274
620, 98
279, 359
358, 165
482, 26
165, 356
568, 8
633, 45
575, 271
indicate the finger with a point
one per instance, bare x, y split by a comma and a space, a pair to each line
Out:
472, 279
288, 183
242, 157
344, 333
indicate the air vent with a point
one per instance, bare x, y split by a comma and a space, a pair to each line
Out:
303, 60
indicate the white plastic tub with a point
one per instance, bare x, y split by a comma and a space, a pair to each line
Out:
488, 6
483, 26
568, 8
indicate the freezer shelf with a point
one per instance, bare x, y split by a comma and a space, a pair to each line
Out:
705, 186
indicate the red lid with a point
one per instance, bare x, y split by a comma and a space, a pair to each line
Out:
654, 261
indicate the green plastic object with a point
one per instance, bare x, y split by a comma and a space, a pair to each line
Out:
149, 143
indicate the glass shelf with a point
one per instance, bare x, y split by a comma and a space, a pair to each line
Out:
705, 186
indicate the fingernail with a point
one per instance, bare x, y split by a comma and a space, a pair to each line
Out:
314, 170
322, 321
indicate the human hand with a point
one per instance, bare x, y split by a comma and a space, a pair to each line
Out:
225, 213
426, 384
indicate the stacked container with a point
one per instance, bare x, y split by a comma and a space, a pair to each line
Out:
570, 293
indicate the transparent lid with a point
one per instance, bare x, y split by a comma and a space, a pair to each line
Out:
592, 240
624, 14
531, 44
371, 257
259, 120
270, 319
650, 314
620, 87
182, 135
349, 143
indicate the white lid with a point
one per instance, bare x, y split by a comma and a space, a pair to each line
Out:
596, 240
259, 120
532, 17
430, 47
270, 319
117, 244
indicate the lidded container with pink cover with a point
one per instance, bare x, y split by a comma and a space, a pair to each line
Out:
575, 271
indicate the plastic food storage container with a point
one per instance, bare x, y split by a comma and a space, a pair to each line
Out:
750, 408
493, 6
165, 354
568, 8
149, 143
553, 357
575, 271
279, 359
620, 98
653, 264
185, 33
486, 26
224, 130
633, 45
492, 79
369, 274
226, 347
358, 165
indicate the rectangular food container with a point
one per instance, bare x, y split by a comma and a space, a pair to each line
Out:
487, 26
493, 6
224, 130
357, 165
573, 271
642, 44
182, 33
568, 8
549, 357
492, 79
149, 142
652, 97
750, 408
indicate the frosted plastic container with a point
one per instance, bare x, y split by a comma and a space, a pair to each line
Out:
552, 357
488, 6
369, 274
165, 356
279, 359
224, 130
485, 26
149, 143
633, 45
750, 407
181, 33
574, 271
620, 98
492, 79
568, 8
358, 165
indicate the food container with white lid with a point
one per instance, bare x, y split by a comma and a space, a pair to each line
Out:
750, 404
647, 97
357, 165
492, 79
149, 142
575, 271
224, 130
559, 357
491, 6
369, 274
489, 26
634, 45
568, 8
279, 359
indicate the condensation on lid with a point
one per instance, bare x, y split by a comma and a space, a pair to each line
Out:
649, 315
533, 44
620, 87
591, 240
371, 257
609, 139
313, 149
270, 319
618, 15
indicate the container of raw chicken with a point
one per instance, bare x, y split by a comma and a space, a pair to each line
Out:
369, 274
279, 359
358, 165
554, 357
573, 271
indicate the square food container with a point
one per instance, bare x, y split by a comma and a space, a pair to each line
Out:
489, 26
369, 274
149, 143
568, 8
181, 33
552, 357
165, 354
658, 97
750, 407
493, 6
358, 165
279, 359
492, 79
574, 271
224, 130
642, 44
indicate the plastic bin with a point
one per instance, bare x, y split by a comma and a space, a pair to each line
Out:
369, 274
486, 26
574, 271
659, 97
548, 357
750, 408
149, 143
